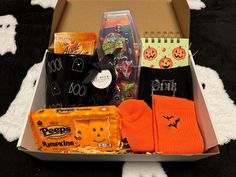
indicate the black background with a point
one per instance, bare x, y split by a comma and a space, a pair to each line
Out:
213, 35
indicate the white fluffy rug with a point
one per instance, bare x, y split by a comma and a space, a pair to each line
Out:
12, 122
44, 3
220, 106
7, 34
143, 169
196, 4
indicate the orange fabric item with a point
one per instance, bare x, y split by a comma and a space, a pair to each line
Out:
175, 125
136, 125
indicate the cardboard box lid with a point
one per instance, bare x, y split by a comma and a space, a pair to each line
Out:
149, 15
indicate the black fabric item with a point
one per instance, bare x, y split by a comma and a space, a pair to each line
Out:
169, 82
107, 62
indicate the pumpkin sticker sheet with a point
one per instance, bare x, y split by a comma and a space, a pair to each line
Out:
164, 53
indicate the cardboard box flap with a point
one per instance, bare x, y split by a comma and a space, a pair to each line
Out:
56, 17
183, 15
149, 15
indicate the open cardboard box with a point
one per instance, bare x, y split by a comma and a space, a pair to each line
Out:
149, 16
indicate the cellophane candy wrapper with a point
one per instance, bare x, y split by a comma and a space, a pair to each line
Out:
119, 31
82, 43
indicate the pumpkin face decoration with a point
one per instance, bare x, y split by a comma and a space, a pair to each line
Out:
165, 63
150, 53
91, 132
98, 132
178, 53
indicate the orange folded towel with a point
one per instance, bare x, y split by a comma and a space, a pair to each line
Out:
175, 126
137, 125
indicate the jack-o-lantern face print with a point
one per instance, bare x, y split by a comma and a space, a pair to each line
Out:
178, 53
150, 53
91, 132
165, 63
98, 132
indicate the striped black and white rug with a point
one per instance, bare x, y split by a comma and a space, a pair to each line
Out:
24, 33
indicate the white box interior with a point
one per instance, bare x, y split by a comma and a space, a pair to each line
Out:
26, 141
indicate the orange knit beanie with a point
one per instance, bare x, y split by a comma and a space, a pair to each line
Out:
137, 125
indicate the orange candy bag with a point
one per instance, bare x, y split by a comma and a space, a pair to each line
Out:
75, 43
68, 129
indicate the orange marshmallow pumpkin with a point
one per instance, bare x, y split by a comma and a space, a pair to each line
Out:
98, 132
81, 127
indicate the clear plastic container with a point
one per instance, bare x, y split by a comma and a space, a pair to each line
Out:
118, 30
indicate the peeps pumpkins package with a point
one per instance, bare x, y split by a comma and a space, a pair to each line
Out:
85, 16
68, 129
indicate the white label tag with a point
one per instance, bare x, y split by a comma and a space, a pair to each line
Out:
103, 79
104, 145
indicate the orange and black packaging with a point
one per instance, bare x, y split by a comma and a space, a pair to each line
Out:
67, 129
